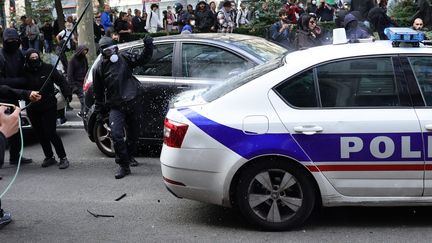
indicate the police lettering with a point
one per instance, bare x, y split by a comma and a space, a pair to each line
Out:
381, 147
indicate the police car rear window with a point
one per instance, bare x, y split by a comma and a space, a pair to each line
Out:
223, 88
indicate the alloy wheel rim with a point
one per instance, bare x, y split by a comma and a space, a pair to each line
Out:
105, 138
275, 195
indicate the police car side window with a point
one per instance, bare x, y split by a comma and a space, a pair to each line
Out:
422, 68
203, 61
160, 64
300, 90
367, 82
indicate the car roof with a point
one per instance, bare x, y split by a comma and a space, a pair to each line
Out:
226, 38
316, 55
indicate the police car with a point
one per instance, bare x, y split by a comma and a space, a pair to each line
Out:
335, 125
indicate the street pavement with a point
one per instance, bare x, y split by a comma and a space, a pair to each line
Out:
50, 205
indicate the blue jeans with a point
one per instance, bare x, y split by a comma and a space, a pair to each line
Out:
34, 44
129, 116
48, 44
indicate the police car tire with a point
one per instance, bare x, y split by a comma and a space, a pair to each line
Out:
303, 180
101, 147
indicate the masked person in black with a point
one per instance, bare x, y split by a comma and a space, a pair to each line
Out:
43, 114
77, 69
11, 67
120, 94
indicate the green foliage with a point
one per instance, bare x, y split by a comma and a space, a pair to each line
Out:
42, 10
403, 12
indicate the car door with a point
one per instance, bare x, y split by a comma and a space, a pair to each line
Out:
159, 87
354, 120
203, 65
419, 72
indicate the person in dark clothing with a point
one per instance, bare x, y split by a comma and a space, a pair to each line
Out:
121, 27
77, 69
43, 114
11, 67
312, 8
363, 6
325, 11
182, 16
379, 21
353, 30
204, 17
98, 30
48, 32
22, 33
118, 92
8, 126
280, 30
307, 33
137, 22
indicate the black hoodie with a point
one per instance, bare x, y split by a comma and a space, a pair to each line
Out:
78, 66
204, 19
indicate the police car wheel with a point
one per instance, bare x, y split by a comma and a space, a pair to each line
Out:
275, 195
103, 139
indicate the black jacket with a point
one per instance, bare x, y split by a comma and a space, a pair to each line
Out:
114, 82
36, 79
11, 68
8, 93
77, 67
204, 19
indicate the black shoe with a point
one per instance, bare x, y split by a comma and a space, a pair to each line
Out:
48, 162
133, 162
5, 219
64, 163
122, 172
24, 160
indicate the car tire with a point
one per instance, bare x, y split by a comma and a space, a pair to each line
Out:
262, 200
102, 137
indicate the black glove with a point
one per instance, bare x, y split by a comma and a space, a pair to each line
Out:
148, 40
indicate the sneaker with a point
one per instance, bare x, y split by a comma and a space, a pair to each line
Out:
5, 219
122, 172
64, 163
133, 162
24, 160
48, 162
79, 114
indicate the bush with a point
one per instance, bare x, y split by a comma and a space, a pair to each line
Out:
403, 12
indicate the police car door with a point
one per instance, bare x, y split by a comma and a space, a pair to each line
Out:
419, 75
355, 122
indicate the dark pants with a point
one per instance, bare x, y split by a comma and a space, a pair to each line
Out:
14, 147
77, 89
44, 125
128, 116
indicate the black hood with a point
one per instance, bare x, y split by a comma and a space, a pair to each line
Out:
207, 7
10, 34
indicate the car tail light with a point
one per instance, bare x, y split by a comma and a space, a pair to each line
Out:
88, 80
174, 133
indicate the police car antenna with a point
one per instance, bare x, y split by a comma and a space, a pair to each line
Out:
61, 52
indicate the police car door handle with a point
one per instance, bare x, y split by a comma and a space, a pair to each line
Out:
308, 129
428, 127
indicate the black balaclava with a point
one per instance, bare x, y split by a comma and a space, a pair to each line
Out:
11, 40
32, 65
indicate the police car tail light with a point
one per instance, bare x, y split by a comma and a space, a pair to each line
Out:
174, 133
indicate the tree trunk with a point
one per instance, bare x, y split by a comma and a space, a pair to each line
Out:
28, 8
85, 28
60, 15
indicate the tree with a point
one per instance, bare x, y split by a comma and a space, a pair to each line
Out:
85, 28
60, 15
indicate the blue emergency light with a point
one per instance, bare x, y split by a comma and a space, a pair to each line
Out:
404, 35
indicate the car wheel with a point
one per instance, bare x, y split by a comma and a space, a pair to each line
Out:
275, 195
102, 137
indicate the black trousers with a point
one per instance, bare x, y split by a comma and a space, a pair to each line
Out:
77, 89
14, 146
128, 116
44, 125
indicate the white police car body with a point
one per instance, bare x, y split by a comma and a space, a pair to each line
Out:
332, 125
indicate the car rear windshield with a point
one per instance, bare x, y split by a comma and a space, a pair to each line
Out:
262, 49
223, 88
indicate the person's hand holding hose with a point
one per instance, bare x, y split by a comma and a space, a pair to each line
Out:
9, 124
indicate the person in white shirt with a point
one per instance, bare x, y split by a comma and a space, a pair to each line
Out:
153, 20
242, 16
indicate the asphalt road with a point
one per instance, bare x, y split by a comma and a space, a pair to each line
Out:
50, 205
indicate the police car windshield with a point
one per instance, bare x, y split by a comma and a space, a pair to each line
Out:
262, 49
223, 88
